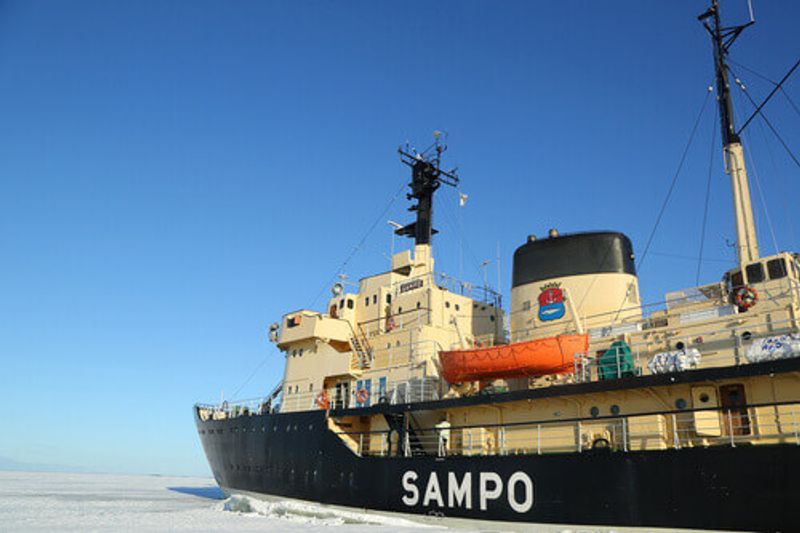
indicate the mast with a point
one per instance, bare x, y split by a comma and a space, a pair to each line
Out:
426, 177
721, 39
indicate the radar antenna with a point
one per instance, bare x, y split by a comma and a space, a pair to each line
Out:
426, 177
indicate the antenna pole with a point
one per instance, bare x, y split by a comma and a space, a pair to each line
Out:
426, 177
721, 39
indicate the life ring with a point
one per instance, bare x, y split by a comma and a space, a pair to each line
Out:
746, 297
601, 443
322, 400
362, 396
389, 323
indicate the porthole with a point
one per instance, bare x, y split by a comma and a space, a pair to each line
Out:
680, 403
594, 411
491, 318
680, 345
615, 409
746, 335
704, 398
447, 305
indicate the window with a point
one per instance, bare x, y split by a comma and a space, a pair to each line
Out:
374, 298
294, 353
457, 307
755, 273
526, 306
388, 298
341, 304
310, 387
350, 303
737, 280
366, 300
399, 310
418, 305
300, 352
776, 268
447, 305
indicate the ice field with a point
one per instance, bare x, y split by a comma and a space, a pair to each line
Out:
42, 501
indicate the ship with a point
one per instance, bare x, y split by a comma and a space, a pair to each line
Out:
581, 405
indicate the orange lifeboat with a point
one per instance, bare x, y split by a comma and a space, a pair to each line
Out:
551, 355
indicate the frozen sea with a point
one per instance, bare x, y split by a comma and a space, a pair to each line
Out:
40, 501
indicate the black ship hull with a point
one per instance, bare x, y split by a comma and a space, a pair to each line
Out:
295, 455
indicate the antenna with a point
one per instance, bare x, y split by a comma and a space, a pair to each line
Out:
426, 177
750, 10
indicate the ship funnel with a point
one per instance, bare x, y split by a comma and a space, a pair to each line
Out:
573, 282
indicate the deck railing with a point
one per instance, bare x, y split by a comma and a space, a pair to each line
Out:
774, 423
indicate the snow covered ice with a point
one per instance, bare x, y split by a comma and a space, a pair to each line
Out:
44, 501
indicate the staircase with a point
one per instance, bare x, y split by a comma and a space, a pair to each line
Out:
362, 351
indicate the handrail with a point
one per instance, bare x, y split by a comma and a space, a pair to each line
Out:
598, 418
623, 433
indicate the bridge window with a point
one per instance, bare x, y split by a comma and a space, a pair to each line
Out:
776, 268
374, 298
388, 298
350, 303
366, 301
755, 273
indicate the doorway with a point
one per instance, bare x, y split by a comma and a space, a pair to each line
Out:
734, 409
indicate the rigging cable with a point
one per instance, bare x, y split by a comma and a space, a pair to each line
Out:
761, 195
663, 207
773, 82
360, 244
760, 112
751, 156
708, 196
250, 377
341, 268
674, 179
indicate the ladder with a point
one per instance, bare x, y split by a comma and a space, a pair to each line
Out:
361, 348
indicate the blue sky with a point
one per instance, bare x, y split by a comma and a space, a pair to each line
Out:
174, 176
